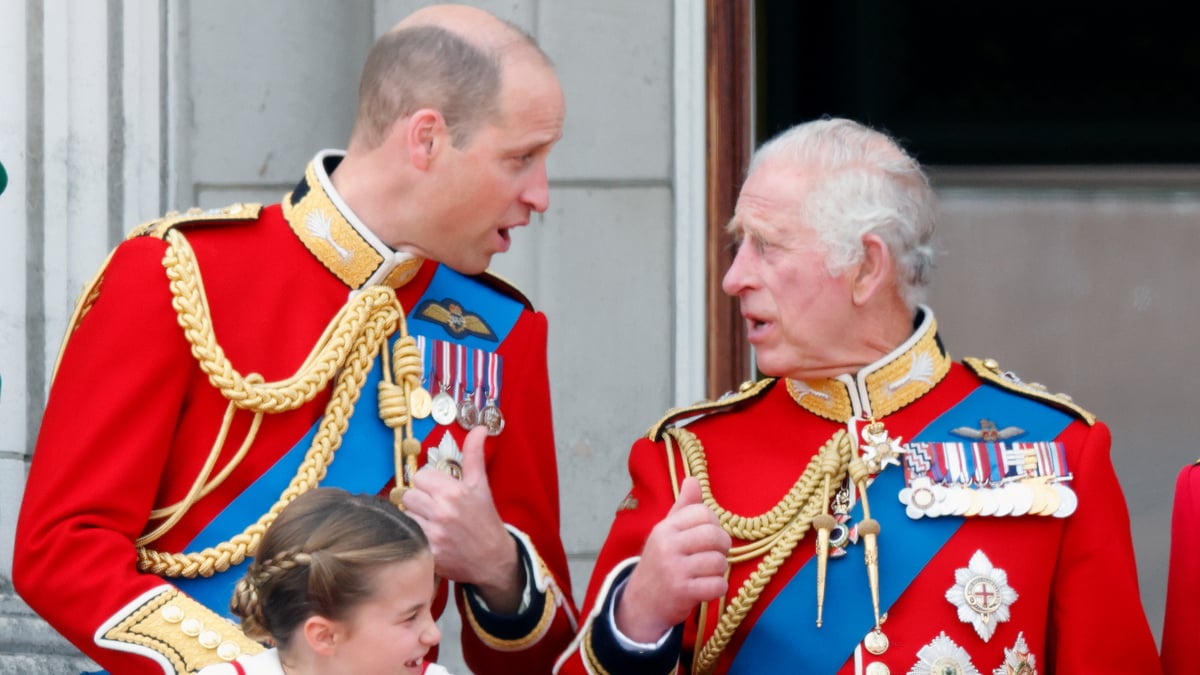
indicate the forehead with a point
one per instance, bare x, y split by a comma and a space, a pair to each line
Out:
531, 101
770, 199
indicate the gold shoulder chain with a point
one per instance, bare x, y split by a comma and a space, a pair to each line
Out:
777, 531
346, 349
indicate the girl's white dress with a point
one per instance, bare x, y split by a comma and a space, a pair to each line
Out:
267, 663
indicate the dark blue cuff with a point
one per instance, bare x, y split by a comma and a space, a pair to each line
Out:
510, 626
613, 657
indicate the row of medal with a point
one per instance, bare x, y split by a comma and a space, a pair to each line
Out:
987, 479
462, 384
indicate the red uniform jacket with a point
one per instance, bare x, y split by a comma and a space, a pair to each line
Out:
1181, 625
132, 418
983, 594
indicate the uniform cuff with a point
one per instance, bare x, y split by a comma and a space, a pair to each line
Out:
509, 632
610, 651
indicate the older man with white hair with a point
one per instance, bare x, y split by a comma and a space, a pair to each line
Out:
871, 506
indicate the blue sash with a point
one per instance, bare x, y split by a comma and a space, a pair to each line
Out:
363, 462
785, 636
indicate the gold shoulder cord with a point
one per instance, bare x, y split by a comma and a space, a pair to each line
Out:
775, 532
347, 348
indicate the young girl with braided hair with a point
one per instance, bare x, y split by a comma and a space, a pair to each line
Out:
341, 583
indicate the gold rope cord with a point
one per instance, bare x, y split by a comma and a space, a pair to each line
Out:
347, 348
778, 530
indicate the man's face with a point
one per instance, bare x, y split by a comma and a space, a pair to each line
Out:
799, 318
498, 178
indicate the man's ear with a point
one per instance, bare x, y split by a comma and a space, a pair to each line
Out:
425, 133
875, 271
322, 635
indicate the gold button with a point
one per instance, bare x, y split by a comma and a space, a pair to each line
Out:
228, 651
191, 627
172, 614
209, 639
991, 364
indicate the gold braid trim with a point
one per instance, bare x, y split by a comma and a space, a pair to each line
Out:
187, 634
347, 348
549, 608
779, 530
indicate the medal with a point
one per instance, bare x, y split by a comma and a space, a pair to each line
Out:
1068, 500
443, 408
468, 412
876, 642
420, 403
490, 416
881, 450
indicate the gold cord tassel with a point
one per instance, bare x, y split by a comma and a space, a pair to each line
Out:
869, 530
831, 465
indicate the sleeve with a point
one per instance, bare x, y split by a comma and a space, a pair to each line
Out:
523, 476
1181, 624
104, 440
1097, 623
596, 649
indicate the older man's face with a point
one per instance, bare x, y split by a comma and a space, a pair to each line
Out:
798, 317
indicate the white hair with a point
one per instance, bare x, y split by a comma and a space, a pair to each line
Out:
859, 181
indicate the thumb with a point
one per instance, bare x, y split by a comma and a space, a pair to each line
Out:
689, 493
474, 467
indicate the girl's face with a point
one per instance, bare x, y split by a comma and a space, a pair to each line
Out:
393, 631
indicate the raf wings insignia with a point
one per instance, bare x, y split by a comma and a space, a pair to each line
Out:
987, 431
450, 315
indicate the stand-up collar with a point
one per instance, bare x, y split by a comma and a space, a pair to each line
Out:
336, 237
885, 386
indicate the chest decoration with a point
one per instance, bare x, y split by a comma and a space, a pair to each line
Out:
456, 321
1017, 660
943, 657
982, 595
446, 456
463, 385
987, 478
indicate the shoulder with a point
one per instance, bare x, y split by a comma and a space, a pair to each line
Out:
747, 391
504, 287
232, 214
990, 371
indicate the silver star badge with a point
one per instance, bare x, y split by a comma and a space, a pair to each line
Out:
1018, 660
446, 456
943, 657
982, 595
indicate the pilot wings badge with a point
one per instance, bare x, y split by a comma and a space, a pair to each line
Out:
450, 315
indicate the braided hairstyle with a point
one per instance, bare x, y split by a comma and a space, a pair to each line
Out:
317, 559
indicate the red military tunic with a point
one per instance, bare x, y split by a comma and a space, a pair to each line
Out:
1181, 624
983, 594
133, 417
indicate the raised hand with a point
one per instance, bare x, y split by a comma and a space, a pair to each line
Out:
466, 535
683, 564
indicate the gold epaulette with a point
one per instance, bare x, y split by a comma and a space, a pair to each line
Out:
746, 391
989, 369
493, 280
233, 213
